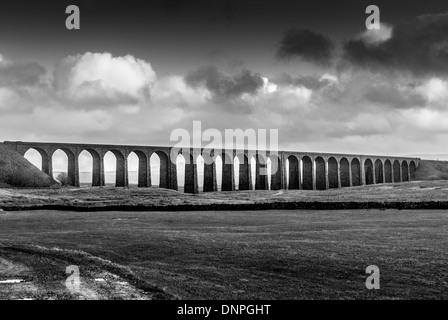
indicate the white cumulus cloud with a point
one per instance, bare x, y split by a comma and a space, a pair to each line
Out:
99, 79
435, 89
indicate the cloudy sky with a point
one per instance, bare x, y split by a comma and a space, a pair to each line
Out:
137, 70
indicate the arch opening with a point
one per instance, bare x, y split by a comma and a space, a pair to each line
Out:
368, 170
210, 174
253, 171
63, 163
90, 168
245, 173
345, 172
275, 172
219, 168
191, 174
388, 171
321, 175
115, 168
180, 168
379, 171
40, 159
333, 178
159, 163
133, 169
236, 172
200, 172
139, 173
307, 169
397, 171
187, 173
227, 181
405, 170
261, 172
356, 172
293, 173
268, 173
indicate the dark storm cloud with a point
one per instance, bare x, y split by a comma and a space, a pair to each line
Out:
307, 45
224, 86
222, 59
15, 74
418, 45
391, 96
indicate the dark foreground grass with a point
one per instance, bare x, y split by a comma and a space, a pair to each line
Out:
253, 254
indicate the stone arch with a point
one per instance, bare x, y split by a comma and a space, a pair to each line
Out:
379, 171
164, 178
412, 168
405, 170
71, 165
97, 168
120, 171
345, 172
356, 172
307, 169
45, 160
294, 173
388, 171
144, 174
333, 178
397, 171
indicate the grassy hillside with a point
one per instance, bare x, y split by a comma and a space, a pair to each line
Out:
16, 171
432, 170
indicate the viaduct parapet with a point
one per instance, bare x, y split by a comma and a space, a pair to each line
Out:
289, 169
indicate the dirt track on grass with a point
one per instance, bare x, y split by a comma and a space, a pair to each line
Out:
35, 272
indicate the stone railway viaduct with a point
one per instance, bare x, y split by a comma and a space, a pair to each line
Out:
308, 171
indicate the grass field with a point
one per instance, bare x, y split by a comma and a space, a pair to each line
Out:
226, 255
157, 199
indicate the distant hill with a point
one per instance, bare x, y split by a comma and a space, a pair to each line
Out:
16, 171
432, 170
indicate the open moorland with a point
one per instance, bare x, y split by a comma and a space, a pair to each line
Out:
418, 194
270, 254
